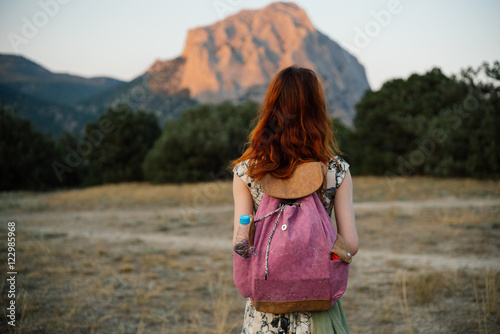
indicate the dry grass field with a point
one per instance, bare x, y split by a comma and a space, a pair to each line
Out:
139, 258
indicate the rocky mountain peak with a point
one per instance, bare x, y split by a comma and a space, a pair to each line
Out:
236, 58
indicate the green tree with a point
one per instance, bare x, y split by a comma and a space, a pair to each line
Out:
391, 122
119, 140
26, 154
472, 145
68, 177
200, 143
430, 124
343, 136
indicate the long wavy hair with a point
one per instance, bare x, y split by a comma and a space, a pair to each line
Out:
292, 126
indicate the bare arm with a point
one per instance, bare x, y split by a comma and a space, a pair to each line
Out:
344, 213
243, 203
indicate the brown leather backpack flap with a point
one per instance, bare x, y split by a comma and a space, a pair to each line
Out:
306, 179
341, 248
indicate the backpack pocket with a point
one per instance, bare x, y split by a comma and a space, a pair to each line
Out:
339, 273
341, 250
242, 274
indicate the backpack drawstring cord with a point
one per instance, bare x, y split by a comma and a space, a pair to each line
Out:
280, 209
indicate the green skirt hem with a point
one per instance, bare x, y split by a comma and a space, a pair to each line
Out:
331, 321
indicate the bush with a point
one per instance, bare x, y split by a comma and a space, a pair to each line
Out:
429, 124
119, 153
200, 144
26, 154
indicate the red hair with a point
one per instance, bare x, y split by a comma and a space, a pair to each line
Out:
292, 126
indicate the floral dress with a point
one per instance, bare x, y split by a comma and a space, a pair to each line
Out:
334, 320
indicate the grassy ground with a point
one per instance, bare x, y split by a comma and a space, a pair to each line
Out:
137, 258
143, 194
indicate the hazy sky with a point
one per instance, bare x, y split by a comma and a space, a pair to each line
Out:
122, 38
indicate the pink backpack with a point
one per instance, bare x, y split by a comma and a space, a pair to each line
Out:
291, 269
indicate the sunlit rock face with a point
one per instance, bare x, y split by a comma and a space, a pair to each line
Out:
236, 58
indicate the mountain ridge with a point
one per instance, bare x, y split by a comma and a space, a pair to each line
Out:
236, 58
32, 79
233, 59
49, 100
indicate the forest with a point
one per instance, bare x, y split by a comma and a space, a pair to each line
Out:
427, 124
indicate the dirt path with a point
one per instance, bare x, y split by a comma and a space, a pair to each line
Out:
87, 224
120, 213
161, 239
446, 202
366, 258
440, 262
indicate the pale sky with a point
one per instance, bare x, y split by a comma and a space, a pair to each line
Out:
122, 38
